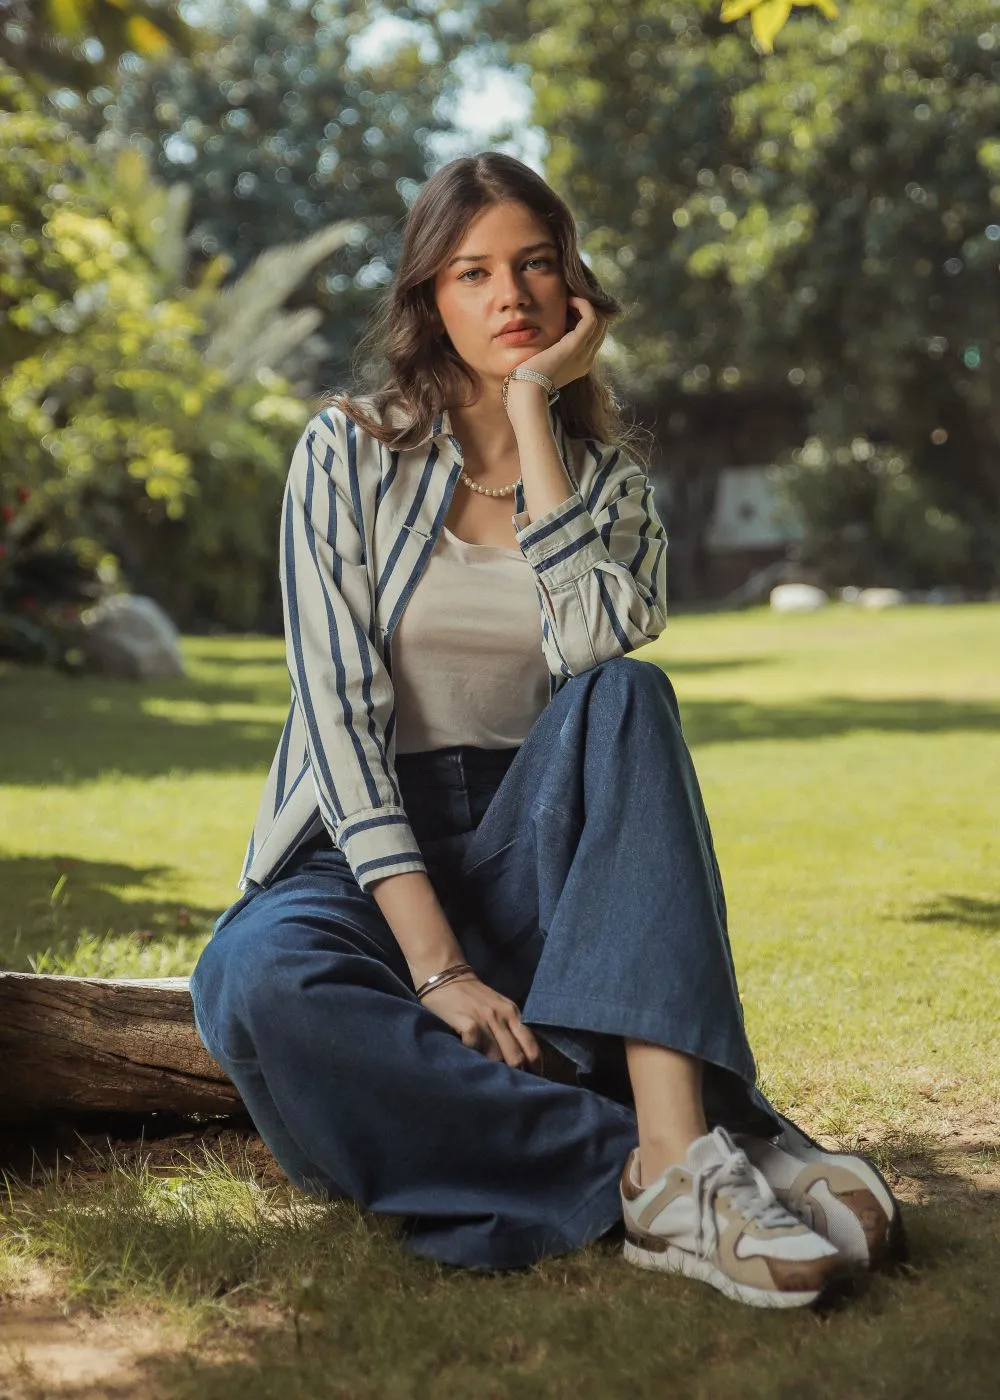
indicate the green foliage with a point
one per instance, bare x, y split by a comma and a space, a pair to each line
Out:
873, 521
74, 43
822, 223
277, 135
134, 430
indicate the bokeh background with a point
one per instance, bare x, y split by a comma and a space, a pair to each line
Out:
201, 202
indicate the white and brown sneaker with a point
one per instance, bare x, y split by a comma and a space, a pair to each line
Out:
840, 1195
714, 1217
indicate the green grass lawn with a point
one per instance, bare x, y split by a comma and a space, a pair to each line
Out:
851, 766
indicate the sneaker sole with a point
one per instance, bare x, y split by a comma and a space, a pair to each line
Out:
673, 1260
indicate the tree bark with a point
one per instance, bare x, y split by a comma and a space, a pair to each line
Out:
104, 1043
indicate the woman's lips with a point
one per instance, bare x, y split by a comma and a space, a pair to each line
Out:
519, 337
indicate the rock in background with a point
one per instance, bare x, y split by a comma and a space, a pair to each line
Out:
132, 637
797, 597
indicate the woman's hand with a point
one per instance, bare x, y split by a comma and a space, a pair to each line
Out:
486, 1021
573, 356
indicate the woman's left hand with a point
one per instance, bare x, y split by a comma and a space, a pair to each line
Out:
572, 356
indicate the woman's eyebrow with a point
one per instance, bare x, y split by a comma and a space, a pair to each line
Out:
479, 257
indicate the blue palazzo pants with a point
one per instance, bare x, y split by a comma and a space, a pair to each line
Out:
578, 873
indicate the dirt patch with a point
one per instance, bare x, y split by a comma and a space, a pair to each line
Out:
49, 1348
963, 1166
958, 1162
45, 1351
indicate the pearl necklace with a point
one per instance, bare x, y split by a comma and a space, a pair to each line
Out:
467, 480
518, 372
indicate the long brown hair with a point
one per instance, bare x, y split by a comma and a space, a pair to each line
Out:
419, 369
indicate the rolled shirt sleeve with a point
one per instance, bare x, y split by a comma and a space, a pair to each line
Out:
340, 682
600, 564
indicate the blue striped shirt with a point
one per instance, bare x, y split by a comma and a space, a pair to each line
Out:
358, 523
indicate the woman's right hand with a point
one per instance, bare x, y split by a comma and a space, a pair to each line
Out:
486, 1021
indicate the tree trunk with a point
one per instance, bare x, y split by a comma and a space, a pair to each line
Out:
101, 1043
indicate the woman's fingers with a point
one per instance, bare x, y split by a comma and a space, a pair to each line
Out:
594, 325
529, 1045
487, 1022
481, 1037
513, 1052
520, 1048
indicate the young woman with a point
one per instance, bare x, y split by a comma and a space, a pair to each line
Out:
481, 848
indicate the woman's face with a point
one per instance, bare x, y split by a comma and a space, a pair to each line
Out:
505, 268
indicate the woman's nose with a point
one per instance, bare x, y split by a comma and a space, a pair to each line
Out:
509, 287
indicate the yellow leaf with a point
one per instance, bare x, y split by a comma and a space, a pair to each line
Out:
767, 19
131, 168
68, 16
145, 38
736, 9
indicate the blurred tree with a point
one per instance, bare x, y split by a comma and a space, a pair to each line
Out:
818, 227
75, 43
277, 137
144, 420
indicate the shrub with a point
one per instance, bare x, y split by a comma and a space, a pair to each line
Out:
146, 422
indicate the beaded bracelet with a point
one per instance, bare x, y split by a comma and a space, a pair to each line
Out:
441, 979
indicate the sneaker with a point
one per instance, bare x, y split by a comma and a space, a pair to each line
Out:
714, 1217
841, 1196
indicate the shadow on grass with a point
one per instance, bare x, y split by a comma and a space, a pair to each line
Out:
977, 915
728, 721
51, 902
387, 1325
706, 665
59, 731
353, 1315
63, 731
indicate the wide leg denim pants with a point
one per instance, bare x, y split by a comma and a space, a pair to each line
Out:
578, 873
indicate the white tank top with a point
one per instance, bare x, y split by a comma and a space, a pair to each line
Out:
467, 662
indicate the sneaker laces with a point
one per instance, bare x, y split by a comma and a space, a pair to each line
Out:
746, 1186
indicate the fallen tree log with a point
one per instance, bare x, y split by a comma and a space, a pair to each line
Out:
119, 1044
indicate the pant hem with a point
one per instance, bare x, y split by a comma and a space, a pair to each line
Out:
564, 1014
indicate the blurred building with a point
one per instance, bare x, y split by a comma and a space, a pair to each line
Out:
724, 514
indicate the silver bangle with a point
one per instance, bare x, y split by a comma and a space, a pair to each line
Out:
438, 979
519, 372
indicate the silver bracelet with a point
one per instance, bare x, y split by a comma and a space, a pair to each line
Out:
519, 372
438, 979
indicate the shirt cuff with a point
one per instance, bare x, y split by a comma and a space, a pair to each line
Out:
379, 842
563, 544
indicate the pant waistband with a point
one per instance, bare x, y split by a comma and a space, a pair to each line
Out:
458, 761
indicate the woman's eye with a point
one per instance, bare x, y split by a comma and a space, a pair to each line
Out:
466, 276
